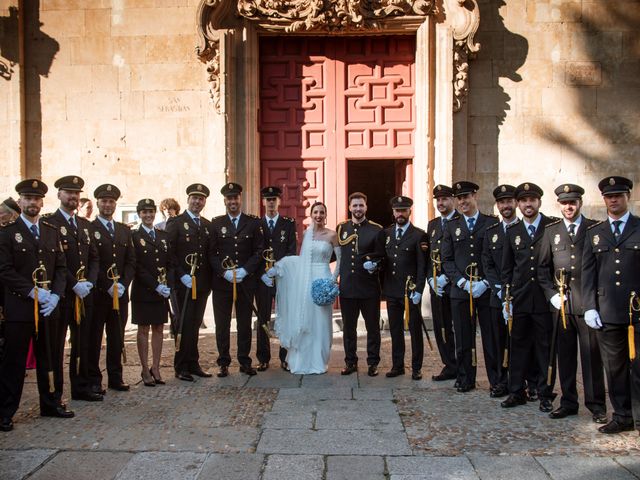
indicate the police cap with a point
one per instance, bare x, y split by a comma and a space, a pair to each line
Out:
615, 185
32, 186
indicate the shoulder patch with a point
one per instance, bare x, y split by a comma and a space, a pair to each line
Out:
47, 215
376, 224
342, 223
289, 219
554, 219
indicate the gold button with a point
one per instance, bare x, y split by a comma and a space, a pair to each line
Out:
393, 273
617, 250
572, 268
533, 279
573, 256
573, 246
617, 260
617, 284
472, 254
531, 247
532, 258
617, 272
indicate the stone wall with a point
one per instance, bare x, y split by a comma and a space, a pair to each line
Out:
555, 95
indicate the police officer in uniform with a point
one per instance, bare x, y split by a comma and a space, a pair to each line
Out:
402, 247
440, 287
82, 274
189, 236
150, 289
359, 284
27, 244
236, 256
532, 322
610, 285
461, 259
561, 250
280, 236
505, 197
113, 240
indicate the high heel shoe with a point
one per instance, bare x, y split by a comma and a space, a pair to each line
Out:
156, 380
148, 383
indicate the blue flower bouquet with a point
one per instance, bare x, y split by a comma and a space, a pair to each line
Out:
324, 291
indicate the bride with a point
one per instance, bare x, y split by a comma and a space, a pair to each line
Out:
304, 328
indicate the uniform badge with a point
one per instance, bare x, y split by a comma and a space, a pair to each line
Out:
142, 242
164, 244
433, 233
458, 232
18, 238
186, 226
494, 239
518, 240
63, 230
97, 235
387, 241
344, 235
223, 230
596, 240
282, 235
556, 239
86, 232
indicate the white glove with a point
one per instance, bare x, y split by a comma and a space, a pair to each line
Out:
416, 297
478, 289
82, 289
442, 280
555, 301
505, 314
463, 284
240, 274
430, 281
186, 280
50, 305
499, 292
370, 266
268, 281
228, 276
592, 318
43, 295
121, 289
163, 291
272, 272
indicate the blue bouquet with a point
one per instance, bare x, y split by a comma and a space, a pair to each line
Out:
324, 291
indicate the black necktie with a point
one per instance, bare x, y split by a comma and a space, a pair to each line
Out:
532, 231
398, 234
197, 220
471, 222
444, 222
34, 230
72, 223
110, 229
572, 229
235, 222
152, 233
616, 228
271, 225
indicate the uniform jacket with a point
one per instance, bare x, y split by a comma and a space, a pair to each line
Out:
20, 255
435, 234
150, 256
79, 248
558, 250
118, 250
610, 270
461, 248
492, 247
243, 246
355, 281
185, 238
282, 240
520, 259
403, 259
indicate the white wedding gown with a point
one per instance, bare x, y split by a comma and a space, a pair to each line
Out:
304, 328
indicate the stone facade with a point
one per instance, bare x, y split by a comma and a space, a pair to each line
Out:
113, 90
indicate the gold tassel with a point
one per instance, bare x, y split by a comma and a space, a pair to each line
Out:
406, 312
78, 310
116, 298
35, 309
235, 287
632, 343
505, 359
193, 287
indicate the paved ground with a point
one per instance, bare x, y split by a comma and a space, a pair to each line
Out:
282, 426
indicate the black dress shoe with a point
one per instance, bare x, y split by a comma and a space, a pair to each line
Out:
513, 401
615, 427
563, 412
186, 376
223, 371
373, 371
6, 424
59, 412
394, 372
441, 377
457, 384
349, 369
416, 375
98, 389
249, 370
284, 366
120, 387
262, 366
198, 372
87, 396
599, 417
546, 405
465, 388
532, 396
498, 391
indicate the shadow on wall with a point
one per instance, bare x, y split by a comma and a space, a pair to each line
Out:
502, 53
604, 82
8, 44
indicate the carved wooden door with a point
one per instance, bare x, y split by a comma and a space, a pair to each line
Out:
326, 101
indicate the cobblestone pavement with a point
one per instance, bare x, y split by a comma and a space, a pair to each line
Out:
281, 426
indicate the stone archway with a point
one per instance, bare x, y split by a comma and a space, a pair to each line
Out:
444, 30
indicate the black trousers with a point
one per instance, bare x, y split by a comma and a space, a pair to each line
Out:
13, 365
187, 359
464, 326
579, 333
530, 335
80, 337
107, 319
443, 331
623, 375
395, 309
370, 309
500, 335
222, 307
265, 297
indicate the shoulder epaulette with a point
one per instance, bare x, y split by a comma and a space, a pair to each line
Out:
555, 222
512, 225
47, 215
251, 215
595, 224
44, 222
342, 223
8, 224
375, 223
219, 216
553, 219
493, 225
289, 219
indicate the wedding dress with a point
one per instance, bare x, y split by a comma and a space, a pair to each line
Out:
304, 328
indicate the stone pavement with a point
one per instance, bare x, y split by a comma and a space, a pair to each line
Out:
281, 426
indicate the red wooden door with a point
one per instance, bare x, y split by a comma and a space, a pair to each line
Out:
325, 101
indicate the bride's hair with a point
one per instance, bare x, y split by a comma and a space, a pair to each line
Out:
316, 203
